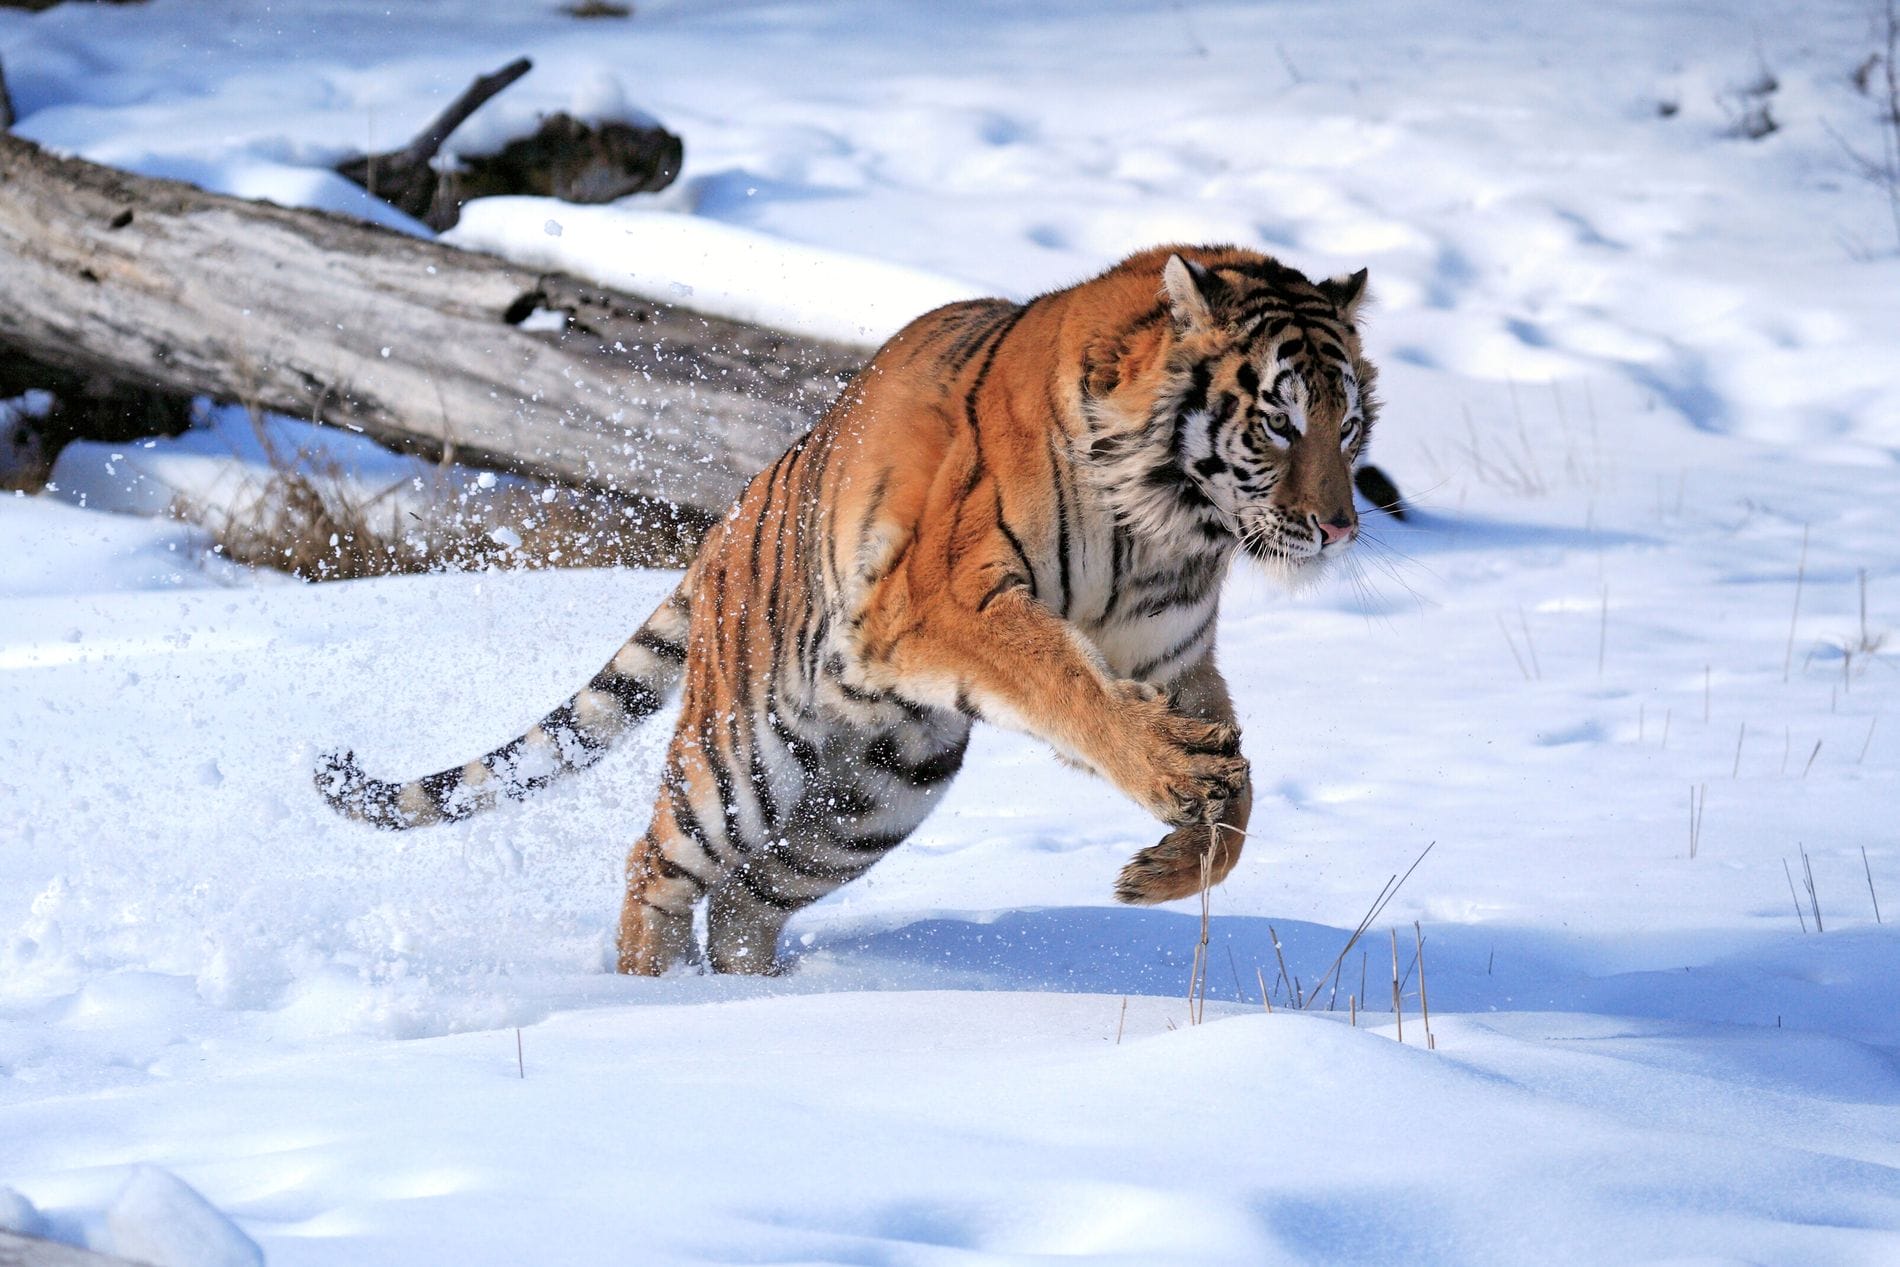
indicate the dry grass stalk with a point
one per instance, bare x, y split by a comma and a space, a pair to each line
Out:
1800, 576
1814, 900
1281, 955
1787, 741
521, 1065
1398, 1012
1811, 757
1791, 894
1493, 459
1698, 798
1197, 982
1869, 867
1264, 1000
1424, 1000
1505, 630
1121, 1024
1741, 733
1352, 1009
1386, 894
1867, 742
1529, 645
1863, 647
1603, 633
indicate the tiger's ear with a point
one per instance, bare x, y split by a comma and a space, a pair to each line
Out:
1193, 293
1346, 293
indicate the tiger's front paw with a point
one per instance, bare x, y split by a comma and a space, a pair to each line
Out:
1192, 767
1179, 865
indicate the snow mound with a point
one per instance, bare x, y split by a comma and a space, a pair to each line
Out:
17, 1215
160, 1219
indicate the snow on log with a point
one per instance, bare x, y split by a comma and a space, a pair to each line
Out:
421, 346
27, 1251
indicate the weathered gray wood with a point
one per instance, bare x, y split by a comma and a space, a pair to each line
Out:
27, 1251
411, 342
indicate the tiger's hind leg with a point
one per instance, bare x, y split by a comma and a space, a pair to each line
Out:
860, 802
656, 922
744, 917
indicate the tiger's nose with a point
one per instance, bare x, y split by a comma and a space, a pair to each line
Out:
1341, 527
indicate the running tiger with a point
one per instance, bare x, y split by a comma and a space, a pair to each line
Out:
1018, 513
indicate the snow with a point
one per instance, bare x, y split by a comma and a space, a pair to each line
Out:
160, 1219
1640, 382
17, 1214
717, 268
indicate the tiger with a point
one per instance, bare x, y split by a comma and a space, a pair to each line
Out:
1017, 513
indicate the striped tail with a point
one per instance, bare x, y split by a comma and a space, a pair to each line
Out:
572, 737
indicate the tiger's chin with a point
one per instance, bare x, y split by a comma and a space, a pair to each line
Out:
1293, 571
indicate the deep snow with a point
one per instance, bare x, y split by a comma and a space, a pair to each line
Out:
1632, 362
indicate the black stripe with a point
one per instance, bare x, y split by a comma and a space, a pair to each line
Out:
686, 819
981, 323
1015, 544
1062, 527
1117, 564
561, 725
1009, 582
989, 359
802, 750
722, 783
660, 646
1218, 418
846, 801
803, 864
671, 870
636, 698
883, 754
1179, 648
881, 842
753, 885
438, 787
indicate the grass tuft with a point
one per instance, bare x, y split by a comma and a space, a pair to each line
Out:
309, 520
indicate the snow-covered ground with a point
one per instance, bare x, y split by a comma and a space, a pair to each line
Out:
1643, 379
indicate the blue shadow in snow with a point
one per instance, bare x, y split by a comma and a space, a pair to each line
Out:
1424, 532
1839, 984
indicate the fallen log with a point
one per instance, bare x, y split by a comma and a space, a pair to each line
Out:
418, 345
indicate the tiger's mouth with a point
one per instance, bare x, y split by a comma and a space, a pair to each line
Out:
1270, 540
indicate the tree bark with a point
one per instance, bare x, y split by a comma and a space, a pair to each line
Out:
415, 344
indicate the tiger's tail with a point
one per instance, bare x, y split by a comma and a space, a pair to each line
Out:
574, 736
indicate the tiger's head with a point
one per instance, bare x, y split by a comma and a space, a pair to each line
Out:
1251, 417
